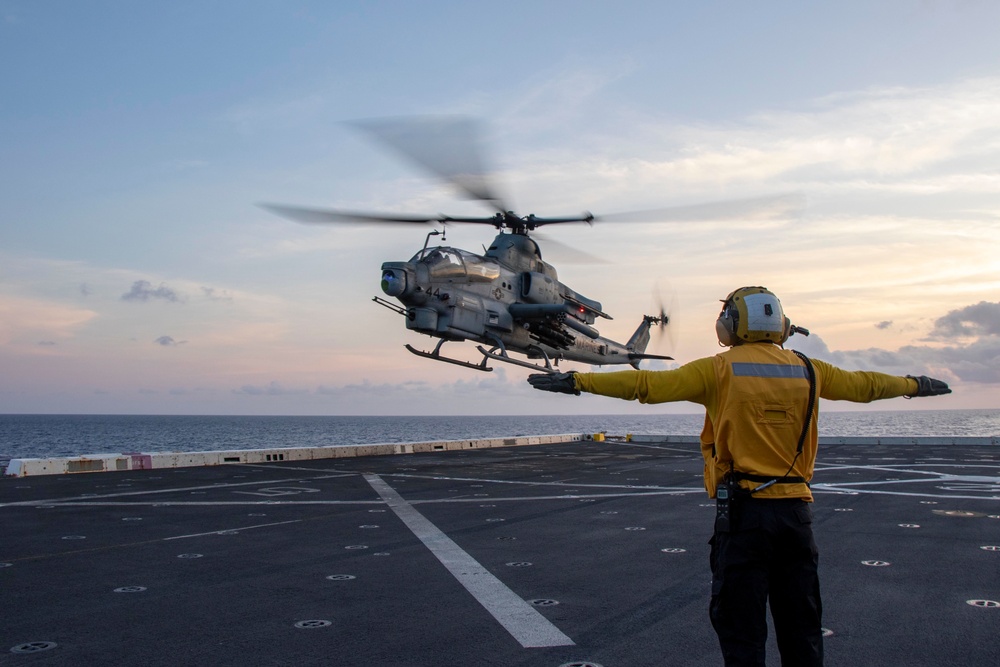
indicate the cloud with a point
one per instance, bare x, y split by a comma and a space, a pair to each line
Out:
974, 361
272, 389
884, 324
482, 384
881, 132
38, 319
143, 290
211, 294
933, 140
380, 390
168, 341
981, 319
478, 386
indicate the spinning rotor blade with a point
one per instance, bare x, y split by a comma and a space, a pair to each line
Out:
566, 254
667, 316
533, 221
755, 208
323, 215
320, 215
448, 146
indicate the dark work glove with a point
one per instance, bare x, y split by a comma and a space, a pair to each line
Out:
563, 383
929, 386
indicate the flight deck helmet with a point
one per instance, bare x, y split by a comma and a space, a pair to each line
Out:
752, 315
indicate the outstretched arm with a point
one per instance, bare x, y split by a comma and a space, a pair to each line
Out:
837, 384
692, 382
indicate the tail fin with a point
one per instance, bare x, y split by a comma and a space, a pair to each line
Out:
640, 339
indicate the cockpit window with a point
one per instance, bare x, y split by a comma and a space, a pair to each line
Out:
442, 263
481, 269
451, 263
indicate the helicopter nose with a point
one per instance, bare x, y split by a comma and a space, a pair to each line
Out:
393, 281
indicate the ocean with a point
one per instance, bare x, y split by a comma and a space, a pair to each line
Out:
41, 436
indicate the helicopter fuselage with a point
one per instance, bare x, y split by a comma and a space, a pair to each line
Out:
508, 299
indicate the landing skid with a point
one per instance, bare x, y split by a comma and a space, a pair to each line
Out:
502, 356
436, 355
498, 352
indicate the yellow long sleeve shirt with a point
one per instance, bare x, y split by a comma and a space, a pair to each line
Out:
755, 398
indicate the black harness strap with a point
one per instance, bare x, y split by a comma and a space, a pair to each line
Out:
812, 401
760, 479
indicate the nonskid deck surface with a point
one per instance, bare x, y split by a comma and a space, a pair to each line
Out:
578, 553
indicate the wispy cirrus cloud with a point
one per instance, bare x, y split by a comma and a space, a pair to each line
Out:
888, 140
24, 318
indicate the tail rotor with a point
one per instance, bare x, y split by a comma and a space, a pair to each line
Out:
665, 318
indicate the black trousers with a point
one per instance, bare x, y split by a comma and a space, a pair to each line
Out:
767, 554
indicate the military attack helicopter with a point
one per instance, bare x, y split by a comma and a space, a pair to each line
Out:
508, 300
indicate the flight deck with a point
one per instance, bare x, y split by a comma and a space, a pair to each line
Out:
576, 553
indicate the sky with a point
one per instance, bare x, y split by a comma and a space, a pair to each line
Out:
138, 275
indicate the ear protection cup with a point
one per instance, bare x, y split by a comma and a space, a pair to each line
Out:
725, 326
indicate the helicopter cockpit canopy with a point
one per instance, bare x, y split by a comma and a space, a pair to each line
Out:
444, 263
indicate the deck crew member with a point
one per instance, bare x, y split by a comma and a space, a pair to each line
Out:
759, 442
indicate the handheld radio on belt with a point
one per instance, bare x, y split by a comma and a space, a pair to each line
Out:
729, 493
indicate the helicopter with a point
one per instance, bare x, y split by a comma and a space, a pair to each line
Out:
506, 300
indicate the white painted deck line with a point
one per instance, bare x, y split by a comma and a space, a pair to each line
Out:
520, 619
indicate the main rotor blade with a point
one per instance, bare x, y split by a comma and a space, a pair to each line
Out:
565, 254
320, 215
448, 146
771, 207
533, 221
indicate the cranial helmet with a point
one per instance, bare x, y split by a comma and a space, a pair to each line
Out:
752, 315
